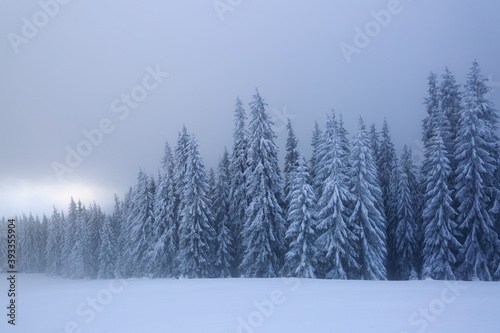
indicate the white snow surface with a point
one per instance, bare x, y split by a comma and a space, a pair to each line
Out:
53, 305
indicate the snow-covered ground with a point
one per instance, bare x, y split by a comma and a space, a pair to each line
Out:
52, 305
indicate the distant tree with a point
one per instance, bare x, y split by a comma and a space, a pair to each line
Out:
367, 213
141, 223
263, 233
53, 250
313, 162
76, 264
107, 251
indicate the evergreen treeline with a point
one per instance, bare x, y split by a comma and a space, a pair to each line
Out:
354, 210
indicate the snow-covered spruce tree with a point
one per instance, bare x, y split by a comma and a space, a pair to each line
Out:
321, 150
107, 251
300, 258
224, 242
76, 265
313, 162
91, 246
42, 231
406, 229
431, 103
440, 243
180, 155
28, 245
123, 245
238, 197
475, 166
211, 184
449, 97
291, 159
263, 233
336, 244
69, 237
197, 235
53, 250
161, 257
392, 223
374, 141
140, 221
366, 213
386, 162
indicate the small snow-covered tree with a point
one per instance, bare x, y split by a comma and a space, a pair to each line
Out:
76, 265
263, 232
367, 213
3, 249
300, 258
197, 235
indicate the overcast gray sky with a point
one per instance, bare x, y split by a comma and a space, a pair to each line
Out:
67, 68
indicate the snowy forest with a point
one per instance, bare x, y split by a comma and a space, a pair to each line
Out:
356, 209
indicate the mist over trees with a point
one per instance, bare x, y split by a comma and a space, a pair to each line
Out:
356, 209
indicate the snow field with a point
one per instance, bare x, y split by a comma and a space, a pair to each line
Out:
52, 305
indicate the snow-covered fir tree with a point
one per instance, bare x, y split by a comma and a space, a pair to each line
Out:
300, 258
449, 97
406, 244
337, 240
53, 250
367, 213
313, 162
475, 142
196, 232
263, 232
238, 197
140, 220
291, 159
163, 247
107, 251
76, 264
224, 243
440, 244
